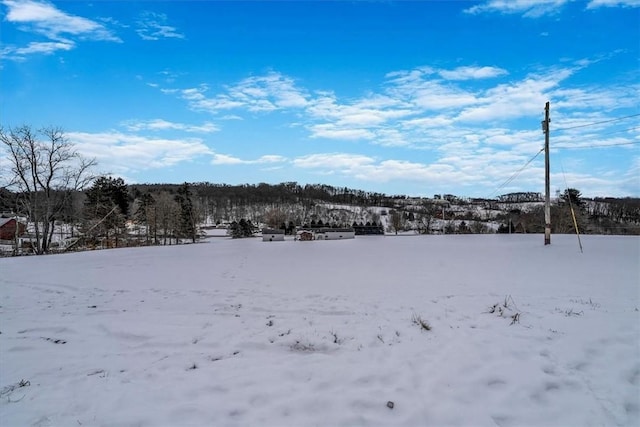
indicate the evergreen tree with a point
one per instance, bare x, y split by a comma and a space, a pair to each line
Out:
107, 207
146, 215
241, 229
573, 196
188, 225
246, 228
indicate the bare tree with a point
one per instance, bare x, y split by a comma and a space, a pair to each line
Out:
166, 216
425, 217
396, 222
44, 171
275, 217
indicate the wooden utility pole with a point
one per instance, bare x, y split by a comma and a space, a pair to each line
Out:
547, 185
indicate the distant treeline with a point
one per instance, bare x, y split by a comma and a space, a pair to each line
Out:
283, 193
104, 213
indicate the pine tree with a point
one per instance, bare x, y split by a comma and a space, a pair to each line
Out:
573, 196
188, 226
107, 207
146, 215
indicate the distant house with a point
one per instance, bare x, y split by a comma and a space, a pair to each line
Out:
272, 235
326, 234
339, 233
8, 228
305, 235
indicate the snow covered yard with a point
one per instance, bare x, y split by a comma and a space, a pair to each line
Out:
248, 333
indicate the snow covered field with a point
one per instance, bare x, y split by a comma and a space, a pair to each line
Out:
249, 333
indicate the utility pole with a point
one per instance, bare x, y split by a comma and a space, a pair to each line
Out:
547, 196
444, 227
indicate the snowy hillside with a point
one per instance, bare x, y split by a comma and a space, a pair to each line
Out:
477, 330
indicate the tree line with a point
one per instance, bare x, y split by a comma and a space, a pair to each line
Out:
46, 181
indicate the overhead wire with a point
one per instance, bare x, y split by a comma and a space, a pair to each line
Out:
597, 123
568, 147
579, 147
515, 175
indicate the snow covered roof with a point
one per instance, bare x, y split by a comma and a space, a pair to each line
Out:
3, 221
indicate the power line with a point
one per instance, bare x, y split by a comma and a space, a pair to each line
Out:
619, 131
515, 175
567, 147
581, 147
597, 123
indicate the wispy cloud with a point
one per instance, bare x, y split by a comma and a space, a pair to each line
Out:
270, 92
60, 28
528, 8
163, 125
224, 159
613, 3
153, 26
472, 73
340, 161
43, 47
518, 99
539, 8
367, 168
470, 125
419, 108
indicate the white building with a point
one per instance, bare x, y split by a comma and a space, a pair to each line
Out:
272, 235
338, 233
331, 233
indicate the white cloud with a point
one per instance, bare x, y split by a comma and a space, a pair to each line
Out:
270, 92
331, 131
369, 111
369, 169
469, 130
420, 89
46, 19
468, 73
342, 161
603, 99
160, 125
613, 3
528, 8
439, 121
538, 8
224, 159
126, 153
43, 47
57, 26
518, 99
153, 26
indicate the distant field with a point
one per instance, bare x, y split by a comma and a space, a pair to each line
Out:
478, 330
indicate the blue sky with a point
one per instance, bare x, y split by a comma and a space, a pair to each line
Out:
400, 97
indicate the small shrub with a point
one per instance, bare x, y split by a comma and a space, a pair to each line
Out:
304, 347
423, 324
505, 308
515, 318
570, 313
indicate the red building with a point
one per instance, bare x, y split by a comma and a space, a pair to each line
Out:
8, 228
